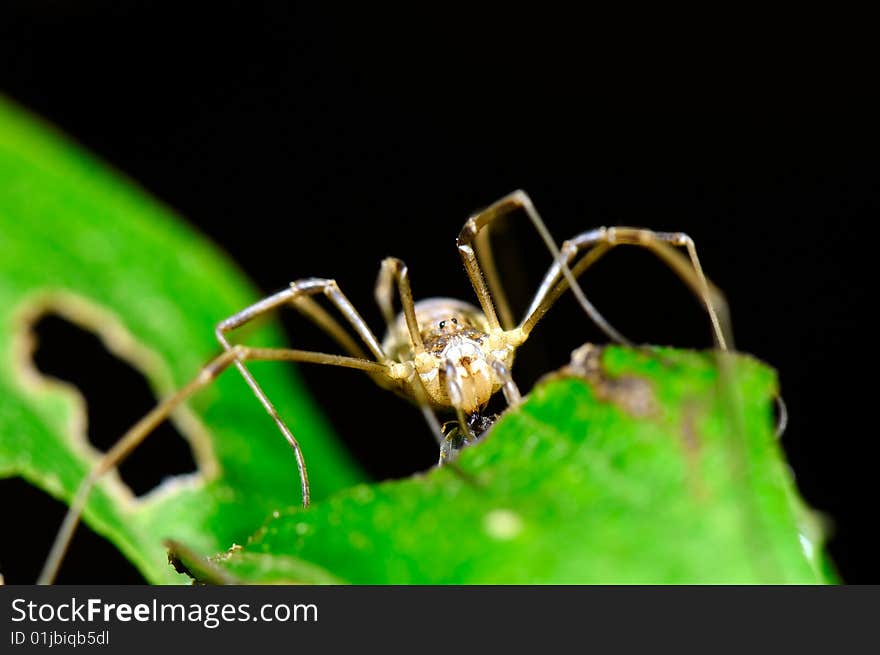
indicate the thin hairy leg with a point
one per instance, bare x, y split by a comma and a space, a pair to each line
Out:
394, 273
300, 288
598, 242
518, 200
453, 389
486, 257
143, 428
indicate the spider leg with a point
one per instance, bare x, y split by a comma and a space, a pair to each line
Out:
329, 325
143, 428
782, 416
509, 388
453, 387
598, 242
468, 238
394, 273
664, 245
296, 294
486, 257
298, 289
448, 449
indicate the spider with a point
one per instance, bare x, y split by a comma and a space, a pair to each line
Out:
442, 354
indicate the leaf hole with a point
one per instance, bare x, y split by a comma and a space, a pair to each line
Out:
29, 526
116, 395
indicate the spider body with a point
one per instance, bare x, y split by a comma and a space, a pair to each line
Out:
460, 361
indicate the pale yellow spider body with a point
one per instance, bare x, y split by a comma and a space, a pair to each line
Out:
459, 344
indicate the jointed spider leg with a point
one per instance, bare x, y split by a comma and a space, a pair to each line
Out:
297, 295
485, 256
598, 242
453, 386
294, 294
554, 285
456, 399
468, 238
782, 416
305, 287
395, 273
509, 388
329, 325
143, 428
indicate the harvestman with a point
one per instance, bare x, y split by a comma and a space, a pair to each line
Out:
440, 353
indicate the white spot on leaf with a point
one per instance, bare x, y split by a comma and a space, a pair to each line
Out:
503, 524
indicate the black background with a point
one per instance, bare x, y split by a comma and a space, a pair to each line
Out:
313, 142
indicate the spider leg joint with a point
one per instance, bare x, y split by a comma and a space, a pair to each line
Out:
682, 239
515, 337
468, 232
424, 362
400, 370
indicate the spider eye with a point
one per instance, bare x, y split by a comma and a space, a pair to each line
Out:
455, 321
442, 324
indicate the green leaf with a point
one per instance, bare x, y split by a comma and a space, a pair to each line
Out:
628, 469
643, 465
78, 240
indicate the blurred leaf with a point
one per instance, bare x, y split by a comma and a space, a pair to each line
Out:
78, 240
631, 474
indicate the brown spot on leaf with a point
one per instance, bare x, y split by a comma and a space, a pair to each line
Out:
692, 446
632, 394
